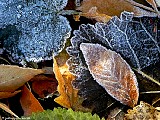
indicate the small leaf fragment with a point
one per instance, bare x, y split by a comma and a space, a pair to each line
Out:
94, 14
44, 85
144, 111
112, 72
8, 94
29, 103
13, 77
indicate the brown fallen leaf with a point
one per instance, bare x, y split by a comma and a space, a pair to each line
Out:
114, 7
94, 14
13, 77
8, 94
29, 103
144, 111
112, 72
6, 108
44, 85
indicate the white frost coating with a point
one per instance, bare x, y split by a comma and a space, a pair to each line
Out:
56, 5
158, 3
43, 32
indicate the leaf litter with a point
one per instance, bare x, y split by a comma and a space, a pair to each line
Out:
129, 41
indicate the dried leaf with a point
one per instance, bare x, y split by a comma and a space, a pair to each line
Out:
29, 103
113, 7
94, 14
112, 72
13, 77
8, 94
68, 96
44, 85
5, 107
144, 111
63, 99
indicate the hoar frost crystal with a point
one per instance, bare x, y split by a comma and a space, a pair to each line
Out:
41, 30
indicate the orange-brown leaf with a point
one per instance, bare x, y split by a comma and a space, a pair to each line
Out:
8, 94
112, 72
13, 77
44, 85
29, 103
111, 7
94, 14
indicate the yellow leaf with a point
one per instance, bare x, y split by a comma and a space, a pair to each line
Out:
63, 99
68, 95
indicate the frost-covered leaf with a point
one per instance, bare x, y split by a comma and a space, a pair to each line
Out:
42, 31
131, 37
113, 73
136, 39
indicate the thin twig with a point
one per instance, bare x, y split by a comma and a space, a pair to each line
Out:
147, 76
140, 5
5, 60
149, 92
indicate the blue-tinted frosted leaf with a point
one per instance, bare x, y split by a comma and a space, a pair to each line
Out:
136, 39
42, 30
9, 12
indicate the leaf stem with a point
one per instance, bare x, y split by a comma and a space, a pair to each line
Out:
69, 12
